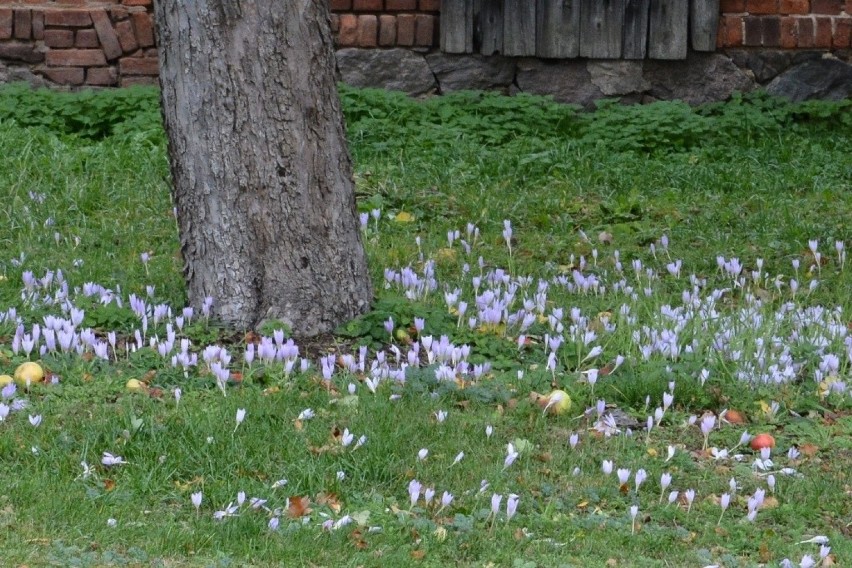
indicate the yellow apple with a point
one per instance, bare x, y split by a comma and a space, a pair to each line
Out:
5, 380
29, 373
557, 402
135, 385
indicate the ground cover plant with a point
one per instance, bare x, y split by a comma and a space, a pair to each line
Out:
677, 277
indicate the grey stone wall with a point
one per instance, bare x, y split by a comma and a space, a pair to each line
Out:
700, 78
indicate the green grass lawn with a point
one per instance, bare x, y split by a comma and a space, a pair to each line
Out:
653, 262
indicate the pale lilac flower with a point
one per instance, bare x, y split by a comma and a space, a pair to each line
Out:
4, 411
446, 499
8, 391
719, 454
793, 453
724, 502
690, 497
668, 398
639, 478
707, 423
361, 441
819, 539
511, 506
196, 500
634, 511
347, 437
178, 394
279, 483
421, 455
340, 475
665, 481
807, 561
511, 455
673, 496
770, 482
111, 522
35, 420
109, 460
623, 475
441, 415
824, 551
414, 488
342, 522
241, 415
573, 440
671, 453
496, 499
459, 458
428, 494
241, 498
306, 414
607, 467
489, 430
273, 524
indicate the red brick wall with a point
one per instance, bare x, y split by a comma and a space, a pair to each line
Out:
385, 23
78, 42
787, 24
111, 42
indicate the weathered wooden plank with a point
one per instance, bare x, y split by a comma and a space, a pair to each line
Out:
635, 40
600, 28
457, 26
518, 27
488, 27
667, 29
703, 25
557, 28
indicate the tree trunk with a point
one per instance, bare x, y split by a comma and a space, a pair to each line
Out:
261, 172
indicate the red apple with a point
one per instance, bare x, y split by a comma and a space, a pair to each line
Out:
762, 441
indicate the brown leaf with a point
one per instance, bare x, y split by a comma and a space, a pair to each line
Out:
109, 485
357, 539
298, 507
418, 554
764, 552
544, 457
297, 424
809, 450
769, 502
330, 500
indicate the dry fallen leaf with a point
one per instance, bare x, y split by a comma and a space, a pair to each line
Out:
809, 450
330, 500
298, 507
418, 554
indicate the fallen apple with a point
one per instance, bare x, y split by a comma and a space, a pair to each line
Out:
762, 441
556, 402
135, 385
5, 380
29, 373
735, 417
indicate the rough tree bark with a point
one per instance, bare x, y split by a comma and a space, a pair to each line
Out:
261, 172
